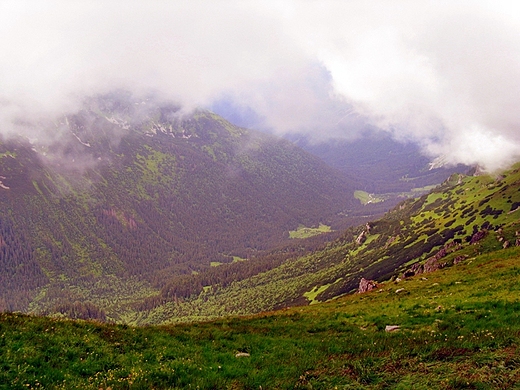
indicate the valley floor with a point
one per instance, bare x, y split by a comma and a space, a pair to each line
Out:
458, 328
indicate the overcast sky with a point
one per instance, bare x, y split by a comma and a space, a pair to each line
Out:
443, 74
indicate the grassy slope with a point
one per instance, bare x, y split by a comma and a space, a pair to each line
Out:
460, 328
412, 232
305, 232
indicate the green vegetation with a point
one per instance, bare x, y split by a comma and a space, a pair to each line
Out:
305, 232
158, 234
145, 199
439, 224
311, 295
133, 241
458, 328
423, 189
366, 198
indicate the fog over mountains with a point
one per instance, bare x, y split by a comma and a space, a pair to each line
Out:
443, 75
135, 193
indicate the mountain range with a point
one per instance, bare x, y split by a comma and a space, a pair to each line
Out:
380, 164
252, 263
127, 192
447, 319
465, 216
134, 211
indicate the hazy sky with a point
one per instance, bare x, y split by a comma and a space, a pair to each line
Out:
445, 74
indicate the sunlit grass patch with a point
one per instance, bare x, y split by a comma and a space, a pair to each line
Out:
305, 232
311, 295
366, 198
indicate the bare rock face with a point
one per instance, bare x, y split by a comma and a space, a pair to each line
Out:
361, 238
433, 263
478, 236
363, 235
366, 285
415, 269
460, 258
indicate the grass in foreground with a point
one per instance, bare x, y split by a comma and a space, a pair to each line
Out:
459, 328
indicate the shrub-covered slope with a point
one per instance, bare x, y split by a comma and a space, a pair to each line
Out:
108, 204
465, 216
458, 328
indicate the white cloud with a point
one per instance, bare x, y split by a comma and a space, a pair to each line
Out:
445, 74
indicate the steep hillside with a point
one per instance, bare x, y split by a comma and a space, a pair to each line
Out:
107, 204
465, 216
458, 328
380, 164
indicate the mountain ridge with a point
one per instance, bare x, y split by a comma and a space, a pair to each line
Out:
136, 190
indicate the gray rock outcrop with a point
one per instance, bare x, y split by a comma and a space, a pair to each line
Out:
366, 285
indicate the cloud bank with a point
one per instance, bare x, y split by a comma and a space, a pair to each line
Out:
443, 74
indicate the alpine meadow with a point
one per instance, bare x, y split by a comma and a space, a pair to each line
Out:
259, 195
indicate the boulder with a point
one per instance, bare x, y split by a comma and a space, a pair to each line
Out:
361, 238
433, 264
478, 236
366, 285
415, 269
460, 258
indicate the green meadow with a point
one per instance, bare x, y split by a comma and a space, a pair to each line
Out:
459, 328
305, 232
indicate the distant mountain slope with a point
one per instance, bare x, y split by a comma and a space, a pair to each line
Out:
465, 216
135, 192
379, 164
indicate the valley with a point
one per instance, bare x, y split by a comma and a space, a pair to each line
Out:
155, 195
259, 195
145, 225
177, 259
439, 229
